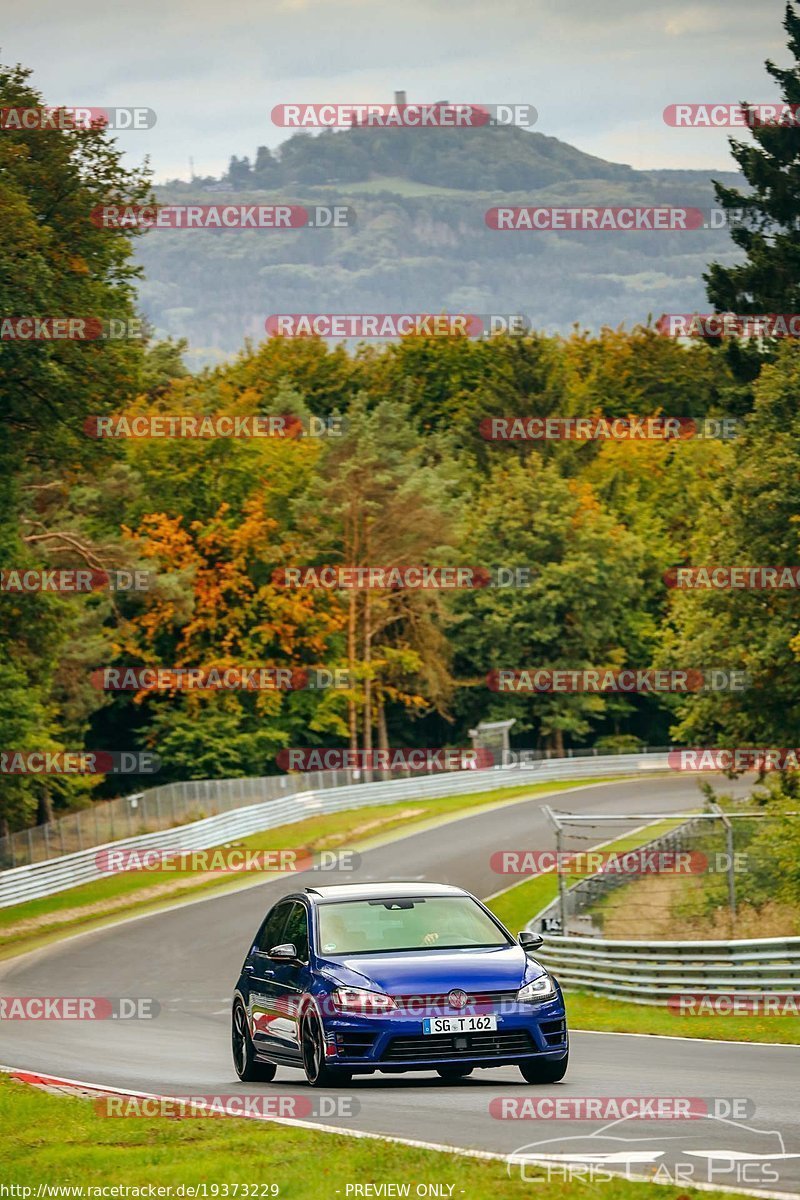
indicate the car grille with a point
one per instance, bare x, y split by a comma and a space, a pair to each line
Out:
420, 1000
443, 1045
554, 1032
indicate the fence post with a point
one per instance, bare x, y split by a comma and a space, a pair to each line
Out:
562, 891
728, 824
562, 885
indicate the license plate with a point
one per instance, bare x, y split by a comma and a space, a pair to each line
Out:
458, 1024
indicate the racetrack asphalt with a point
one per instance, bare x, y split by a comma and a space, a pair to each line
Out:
188, 958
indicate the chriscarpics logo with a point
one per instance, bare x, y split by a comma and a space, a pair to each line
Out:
711, 1148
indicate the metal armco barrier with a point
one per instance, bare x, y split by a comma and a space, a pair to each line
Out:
650, 973
33, 880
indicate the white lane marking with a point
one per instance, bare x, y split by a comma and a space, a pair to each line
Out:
679, 1037
737, 1155
460, 1151
601, 1156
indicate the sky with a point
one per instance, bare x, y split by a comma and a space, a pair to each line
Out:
599, 72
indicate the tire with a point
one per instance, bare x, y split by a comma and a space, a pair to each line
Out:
451, 1074
544, 1072
248, 1067
312, 1046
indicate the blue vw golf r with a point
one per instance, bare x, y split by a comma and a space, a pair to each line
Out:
357, 978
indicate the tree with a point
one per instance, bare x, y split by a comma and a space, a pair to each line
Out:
765, 222
381, 501
579, 610
54, 262
240, 172
749, 518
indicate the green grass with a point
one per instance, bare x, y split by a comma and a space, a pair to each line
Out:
600, 1013
60, 1140
35, 922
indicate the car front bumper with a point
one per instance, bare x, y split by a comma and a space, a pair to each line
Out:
395, 1041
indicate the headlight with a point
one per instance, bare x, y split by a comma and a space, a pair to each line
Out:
541, 989
359, 1000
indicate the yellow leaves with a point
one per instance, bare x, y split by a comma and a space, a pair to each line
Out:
237, 615
585, 495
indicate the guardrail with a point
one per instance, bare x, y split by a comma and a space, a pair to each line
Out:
648, 973
34, 880
168, 804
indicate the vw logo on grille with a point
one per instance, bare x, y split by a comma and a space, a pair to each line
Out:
457, 998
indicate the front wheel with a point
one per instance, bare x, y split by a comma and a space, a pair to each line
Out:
544, 1072
450, 1074
248, 1067
312, 1045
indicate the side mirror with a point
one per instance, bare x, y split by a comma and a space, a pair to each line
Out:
530, 941
286, 951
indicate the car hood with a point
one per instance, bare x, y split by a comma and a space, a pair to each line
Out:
493, 969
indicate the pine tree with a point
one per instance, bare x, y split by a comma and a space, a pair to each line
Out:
766, 223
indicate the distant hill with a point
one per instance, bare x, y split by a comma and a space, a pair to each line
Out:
482, 159
420, 243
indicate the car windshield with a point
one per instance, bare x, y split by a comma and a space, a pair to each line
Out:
406, 923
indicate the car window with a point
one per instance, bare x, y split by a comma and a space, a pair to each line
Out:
271, 932
418, 923
296, 930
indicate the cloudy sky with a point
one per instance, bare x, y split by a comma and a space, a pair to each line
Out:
600, 72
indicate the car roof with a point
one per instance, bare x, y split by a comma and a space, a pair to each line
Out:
380, 891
